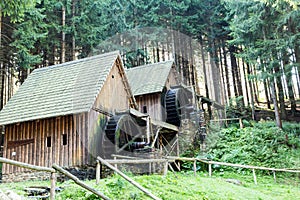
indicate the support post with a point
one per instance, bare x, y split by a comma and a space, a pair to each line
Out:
52, 188
98, 172
241, 123
254, 176
148, 129
209, 170
274, 176
165, 168
195, 167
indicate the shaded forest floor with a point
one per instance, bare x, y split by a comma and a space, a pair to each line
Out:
262, 112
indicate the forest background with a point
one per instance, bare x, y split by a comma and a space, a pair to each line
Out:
239, 53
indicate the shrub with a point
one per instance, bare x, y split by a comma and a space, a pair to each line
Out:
261, 144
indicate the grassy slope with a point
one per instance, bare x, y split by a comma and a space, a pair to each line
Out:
181, 186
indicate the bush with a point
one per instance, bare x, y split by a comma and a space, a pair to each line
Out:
261, 144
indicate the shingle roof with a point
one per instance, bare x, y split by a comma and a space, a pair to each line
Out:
150, 78
63, 89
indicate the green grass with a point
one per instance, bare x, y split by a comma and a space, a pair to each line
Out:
182, 185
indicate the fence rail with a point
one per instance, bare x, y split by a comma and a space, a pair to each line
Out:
210, 163
37, 168
167, 160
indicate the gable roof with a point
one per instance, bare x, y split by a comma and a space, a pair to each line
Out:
63, 89
150, 78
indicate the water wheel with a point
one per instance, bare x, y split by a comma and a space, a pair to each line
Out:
177, 104
123, 134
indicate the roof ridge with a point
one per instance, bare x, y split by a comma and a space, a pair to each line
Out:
148, 65
78, 61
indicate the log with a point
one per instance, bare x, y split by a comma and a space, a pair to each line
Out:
80, 183
141, 161
148, 193
126, 157
25, 165
52, 188
250, 167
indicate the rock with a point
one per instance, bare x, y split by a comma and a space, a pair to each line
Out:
234, 181
12, 195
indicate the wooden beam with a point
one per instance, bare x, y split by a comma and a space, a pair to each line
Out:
80, 183
25, 165
140, 161
148, 193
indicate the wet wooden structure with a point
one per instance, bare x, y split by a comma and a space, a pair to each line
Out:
58, 113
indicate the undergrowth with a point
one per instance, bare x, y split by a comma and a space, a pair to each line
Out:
258, 144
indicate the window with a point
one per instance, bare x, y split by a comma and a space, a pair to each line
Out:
144, 109
48, 141
64, 139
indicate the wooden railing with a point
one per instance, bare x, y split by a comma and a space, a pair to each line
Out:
37, 168
133, 160
53, 176
210, 163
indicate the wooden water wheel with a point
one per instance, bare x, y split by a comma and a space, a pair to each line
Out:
123, 134
177, 104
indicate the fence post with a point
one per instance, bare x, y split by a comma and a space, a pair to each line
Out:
166, 168
98, 172
195, 166
52, 188
274, 175
241, 123
209, 169
254, 176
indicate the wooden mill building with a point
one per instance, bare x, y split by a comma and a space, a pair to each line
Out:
149, 84
153, 84
58, 113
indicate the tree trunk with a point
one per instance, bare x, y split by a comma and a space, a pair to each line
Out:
205, 77
280, 91
255, 85
246, 85
234, 70
276, 109
1, 64
73, 35
251, 92
226, 70
289, 78
267, 93
63, 35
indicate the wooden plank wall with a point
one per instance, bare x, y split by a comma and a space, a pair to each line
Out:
153, 104
29, 142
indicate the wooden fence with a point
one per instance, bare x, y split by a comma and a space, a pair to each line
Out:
37, 168
133, 160
210, 163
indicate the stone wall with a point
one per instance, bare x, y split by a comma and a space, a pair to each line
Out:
83, 173
25, 176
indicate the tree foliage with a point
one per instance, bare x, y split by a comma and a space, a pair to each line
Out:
247, 41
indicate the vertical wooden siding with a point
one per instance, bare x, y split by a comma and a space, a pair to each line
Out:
74, 153
153, 104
